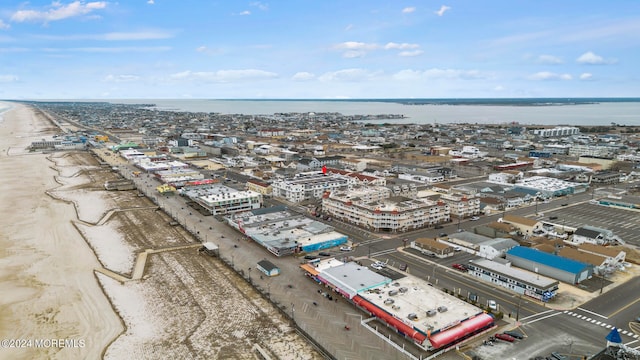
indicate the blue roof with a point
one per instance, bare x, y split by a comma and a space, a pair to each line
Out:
551, 260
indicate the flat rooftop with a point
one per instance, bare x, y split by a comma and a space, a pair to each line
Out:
414, 296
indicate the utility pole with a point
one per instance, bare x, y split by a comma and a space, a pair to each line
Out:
518, 310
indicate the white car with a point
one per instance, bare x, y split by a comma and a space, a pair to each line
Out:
475, 218
376, 266
493, 305
346, 248
380, 264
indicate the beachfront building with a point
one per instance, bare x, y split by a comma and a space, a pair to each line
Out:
310, 185
372, 208
432, 319
178, 175
517, 280
283, 233
219, 201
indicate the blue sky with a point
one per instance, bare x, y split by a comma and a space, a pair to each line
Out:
318, 49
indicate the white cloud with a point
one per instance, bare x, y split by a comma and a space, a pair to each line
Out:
549, 59
403, 46
442, 10
113, 36
260, 5
355, 45
411, 53
593, 59
436, 74
408, 10
348, 75
207, 50
355, 49
547, 75
246, 12
498, 88
8, 78
121, 78
58, 11
222, 76
110, 49
303, 76
352, 54
150, 2
586, 76
3, 25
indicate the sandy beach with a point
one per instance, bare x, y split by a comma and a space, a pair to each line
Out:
51, 304
62, 232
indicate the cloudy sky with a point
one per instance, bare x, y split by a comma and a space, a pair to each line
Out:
318, 49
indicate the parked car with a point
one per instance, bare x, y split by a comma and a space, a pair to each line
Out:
457, 248
443, 234
505, 337
310, 257
515, 334
324, 254
558, 356
346, 248
493, 305
565, 204
553, 218
380, 263
376, 266
460, 267
438, 227
475, 218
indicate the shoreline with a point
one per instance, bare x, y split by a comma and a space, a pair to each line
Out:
47, 270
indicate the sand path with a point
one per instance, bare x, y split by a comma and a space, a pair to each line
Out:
47, 284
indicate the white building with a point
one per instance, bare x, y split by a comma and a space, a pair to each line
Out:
462, 206
230, 202
310, 185
557, 131
469, 152
378, 212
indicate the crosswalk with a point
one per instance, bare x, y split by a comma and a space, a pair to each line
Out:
596, 321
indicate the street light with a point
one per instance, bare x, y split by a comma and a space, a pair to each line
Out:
518, 310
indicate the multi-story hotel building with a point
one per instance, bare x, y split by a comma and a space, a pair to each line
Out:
372, 208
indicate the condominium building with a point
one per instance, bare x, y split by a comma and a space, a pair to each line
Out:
462, 206
373, 209
310, 185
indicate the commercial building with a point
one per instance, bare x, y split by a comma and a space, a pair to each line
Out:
431, 318
284, 233
553, 266
519, 281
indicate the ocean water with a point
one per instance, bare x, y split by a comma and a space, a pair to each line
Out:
602, 111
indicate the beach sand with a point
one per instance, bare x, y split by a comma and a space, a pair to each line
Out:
50, 297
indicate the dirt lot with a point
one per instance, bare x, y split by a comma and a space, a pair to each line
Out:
187, 305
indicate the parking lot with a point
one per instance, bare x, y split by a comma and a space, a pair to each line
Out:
624, 223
